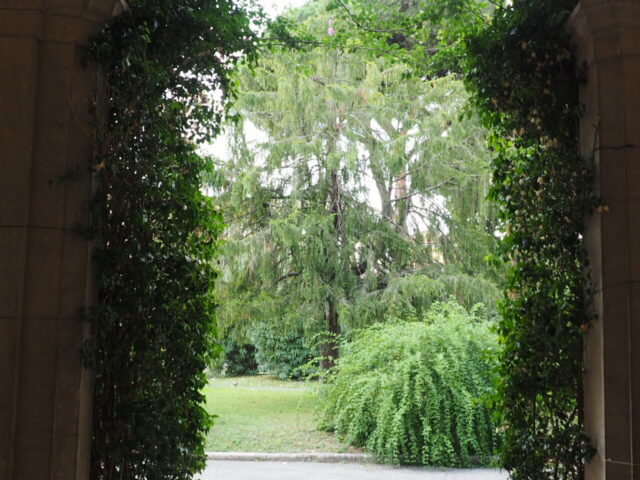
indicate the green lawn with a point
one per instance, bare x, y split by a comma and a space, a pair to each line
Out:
263, 414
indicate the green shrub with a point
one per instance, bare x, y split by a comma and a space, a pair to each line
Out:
411, 392
281, 352
240, 358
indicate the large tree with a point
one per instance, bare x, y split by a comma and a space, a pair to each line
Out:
350, 182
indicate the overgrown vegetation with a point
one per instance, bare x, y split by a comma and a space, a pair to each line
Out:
369, 105
523, 76
353, 190
517, 61
283, 352
156, 234
412, 391
238, 359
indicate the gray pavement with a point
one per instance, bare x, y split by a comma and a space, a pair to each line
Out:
270, 470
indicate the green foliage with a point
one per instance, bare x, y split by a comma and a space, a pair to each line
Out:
282, 352
412, 392
239, 358
520, 69
423, 34
155, 233
410, 297
306, 245
522, 74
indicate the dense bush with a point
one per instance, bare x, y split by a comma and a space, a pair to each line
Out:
155, 233
412, 392
239, 358
282, 352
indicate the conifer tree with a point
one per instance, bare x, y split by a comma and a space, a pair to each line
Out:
353, 190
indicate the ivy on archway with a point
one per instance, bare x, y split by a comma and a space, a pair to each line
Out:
153, 331
521, 71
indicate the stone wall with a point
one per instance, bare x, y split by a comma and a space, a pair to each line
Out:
608, 37
45, 280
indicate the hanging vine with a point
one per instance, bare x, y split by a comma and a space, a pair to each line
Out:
521, 71
153, 331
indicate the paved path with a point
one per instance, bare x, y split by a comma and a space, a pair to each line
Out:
261, 470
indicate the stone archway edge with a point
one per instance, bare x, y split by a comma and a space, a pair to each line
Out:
46, 274
607, 36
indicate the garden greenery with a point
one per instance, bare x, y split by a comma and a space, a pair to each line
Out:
521, 72
412, 391
518, 64
306, 246
239, 359
156, 234
283, 351
273, 349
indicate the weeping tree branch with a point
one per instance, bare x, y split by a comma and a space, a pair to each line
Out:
422, 192
284, 277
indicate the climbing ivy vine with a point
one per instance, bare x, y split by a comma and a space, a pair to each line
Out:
156, 234
522, 73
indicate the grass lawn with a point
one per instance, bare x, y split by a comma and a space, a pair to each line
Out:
263, 414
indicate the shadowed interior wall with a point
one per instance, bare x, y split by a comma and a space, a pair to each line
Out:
608, 37
45, 280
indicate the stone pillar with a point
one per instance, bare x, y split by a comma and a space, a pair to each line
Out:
608, 38
46, 143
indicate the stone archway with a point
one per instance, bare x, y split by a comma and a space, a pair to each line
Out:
608, 36
45, 278
45, 275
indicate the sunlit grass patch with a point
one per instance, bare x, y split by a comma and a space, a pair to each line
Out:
264, 414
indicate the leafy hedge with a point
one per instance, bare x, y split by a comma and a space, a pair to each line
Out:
156, 234
239, 358
522, 74
282, 352
412, 392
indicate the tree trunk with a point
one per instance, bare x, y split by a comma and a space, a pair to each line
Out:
335, 207
381, 184
329, 348
402, 202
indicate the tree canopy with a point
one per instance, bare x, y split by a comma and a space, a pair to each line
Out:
353, 188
